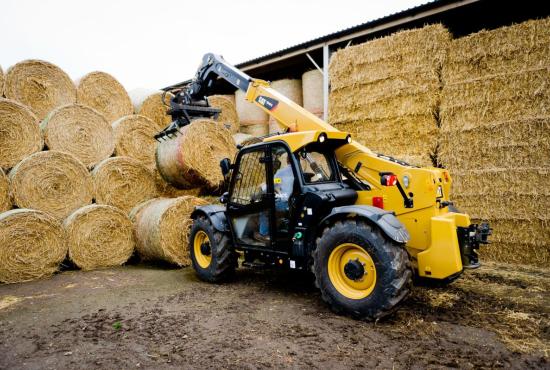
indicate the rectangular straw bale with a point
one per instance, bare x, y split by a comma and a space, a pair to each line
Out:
386, 92
535, 232
517, 47
522, 142
517, 253
504, 206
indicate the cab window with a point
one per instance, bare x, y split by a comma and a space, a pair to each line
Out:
316, 167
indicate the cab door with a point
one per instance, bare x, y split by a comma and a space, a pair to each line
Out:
251, 198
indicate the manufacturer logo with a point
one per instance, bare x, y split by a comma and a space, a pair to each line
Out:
267, 102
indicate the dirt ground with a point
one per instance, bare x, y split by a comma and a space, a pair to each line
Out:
155, 317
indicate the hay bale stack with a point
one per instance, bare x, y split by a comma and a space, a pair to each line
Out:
386, 92
253, 120
123, 182
39, 85
192, 159
32, 245
99, 236
1, 82
101, 91
80, 131
5, 203
228, 116
312, 92
495, 136
245, 139
20, 134
51, 181
149, 103
161, 228
166, 190
134, 137
290, 88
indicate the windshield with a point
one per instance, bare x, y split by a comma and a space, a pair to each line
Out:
316, 167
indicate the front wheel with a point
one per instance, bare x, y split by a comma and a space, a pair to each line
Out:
360, 271
212, 255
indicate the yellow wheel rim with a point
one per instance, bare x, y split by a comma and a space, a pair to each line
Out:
202, 259
351, 288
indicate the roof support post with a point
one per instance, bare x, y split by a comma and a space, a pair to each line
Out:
326, 57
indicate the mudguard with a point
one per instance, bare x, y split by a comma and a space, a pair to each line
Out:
386, 220
216, 214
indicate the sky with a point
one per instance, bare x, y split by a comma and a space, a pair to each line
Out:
153, 44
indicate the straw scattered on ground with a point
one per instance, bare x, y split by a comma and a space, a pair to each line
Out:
99, 236
53, 182
20, 134
32, 245
39, 85
81, 131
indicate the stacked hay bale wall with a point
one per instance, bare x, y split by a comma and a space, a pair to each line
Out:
152, 104
1, 82
495, 136
292, 89
253, 120
134, 137
312, 92
32, 245
161, 228
123, 182
39, 85
81, 131
20, 134
192, 158
386, 92
99, 236
101, 91
5, 203
53, 182
228, 116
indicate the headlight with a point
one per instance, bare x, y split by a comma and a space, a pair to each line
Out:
406, 181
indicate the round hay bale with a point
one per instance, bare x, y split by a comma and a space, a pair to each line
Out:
123, 182
99, 236
253, 120
149, 103
166, 190
312, 92
161, 228
39, 85
134, 137
228, 116
81, 131
105, 94
193, 158
1, 82
20, 134
51, 181
32, 245
292, 89
245, 139
5, 203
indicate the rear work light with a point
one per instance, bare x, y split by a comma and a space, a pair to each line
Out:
378, 202
388, 180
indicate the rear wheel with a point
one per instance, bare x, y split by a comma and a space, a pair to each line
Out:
360, 271
211, 251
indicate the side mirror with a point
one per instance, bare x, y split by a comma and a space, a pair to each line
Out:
226, 166
224, 198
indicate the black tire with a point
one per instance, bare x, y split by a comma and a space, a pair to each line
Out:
393, 281
223, 258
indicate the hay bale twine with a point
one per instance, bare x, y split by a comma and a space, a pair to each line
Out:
5, 203
149, 103
253, 120
312, 92
105, 94
134, 137
193, 158
51, 181
292, 89
228, 116
20, 134
32, 245
81, 131
161, 228
99, 236
39, 85
123, 182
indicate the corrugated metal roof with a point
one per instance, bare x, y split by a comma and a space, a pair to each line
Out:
350, 30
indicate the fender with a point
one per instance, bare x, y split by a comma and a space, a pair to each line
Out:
385, 220
215, 213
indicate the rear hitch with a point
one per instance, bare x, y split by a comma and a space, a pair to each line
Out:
469, 239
